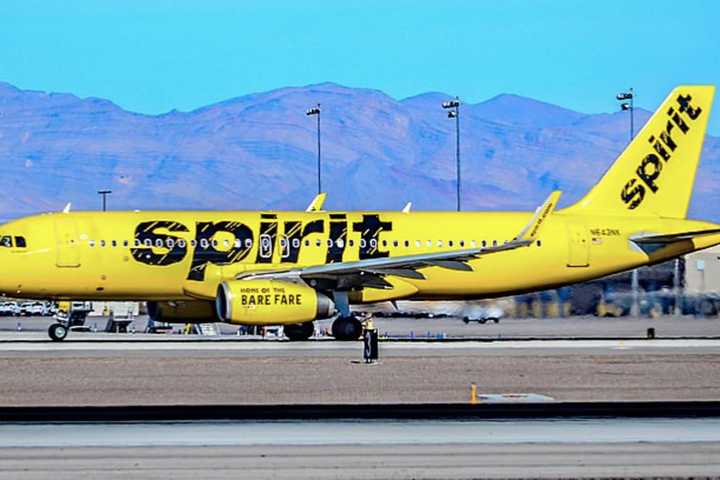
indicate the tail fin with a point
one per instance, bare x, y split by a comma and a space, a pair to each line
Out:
654, 176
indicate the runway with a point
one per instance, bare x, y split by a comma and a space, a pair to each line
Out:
659, 448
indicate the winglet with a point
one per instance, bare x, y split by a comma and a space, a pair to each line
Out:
67, 208
407, 207
317, 204
531, 230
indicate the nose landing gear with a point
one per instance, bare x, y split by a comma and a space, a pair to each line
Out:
58, 332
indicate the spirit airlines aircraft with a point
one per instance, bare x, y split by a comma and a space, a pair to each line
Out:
291, 268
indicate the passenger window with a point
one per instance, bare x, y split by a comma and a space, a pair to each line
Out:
473, 243
181, 243
429, 243
538, 243
226, 243
204, 243
248, 243
373, 243
125, 243
284, 247
407, 244
494, 243
158, 243
462, 243
384, 243
265, 246
450, 243
193, 243
6, 241
395, 243
484, 243
296, 243
329, 242
340, 243
90, 242
148, 242
318, 242
363, 243
439, 243
170, 243
20, 242
102, 243
351, 243
113, 243
214, 243
307, 242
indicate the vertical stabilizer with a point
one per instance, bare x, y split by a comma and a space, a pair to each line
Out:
654, 176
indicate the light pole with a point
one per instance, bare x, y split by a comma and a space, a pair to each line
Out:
453, 107
628, 103
628, 99
316, 111
104, 194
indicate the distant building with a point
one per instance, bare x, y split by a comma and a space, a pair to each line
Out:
702, 271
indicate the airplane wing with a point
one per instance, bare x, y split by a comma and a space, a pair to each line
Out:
407, 266
317, 203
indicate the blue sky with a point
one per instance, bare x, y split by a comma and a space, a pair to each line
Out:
154, 55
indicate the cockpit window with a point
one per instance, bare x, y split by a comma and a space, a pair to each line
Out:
6, 241
20, 242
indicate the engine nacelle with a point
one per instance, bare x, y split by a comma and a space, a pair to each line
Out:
182, 312
270, 302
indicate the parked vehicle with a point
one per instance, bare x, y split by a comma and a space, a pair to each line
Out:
482, 313
8, 309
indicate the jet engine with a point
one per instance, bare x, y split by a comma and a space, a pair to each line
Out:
182, 312
270, 302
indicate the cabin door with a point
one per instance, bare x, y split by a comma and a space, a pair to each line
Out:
579, 245
66, 243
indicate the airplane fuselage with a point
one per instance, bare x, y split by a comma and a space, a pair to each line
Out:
172, 255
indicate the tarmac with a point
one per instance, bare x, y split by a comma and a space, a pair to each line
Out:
422, 361
452, 327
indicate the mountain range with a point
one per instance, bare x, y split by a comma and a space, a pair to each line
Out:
258, 151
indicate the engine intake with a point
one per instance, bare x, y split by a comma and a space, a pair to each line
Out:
270, 302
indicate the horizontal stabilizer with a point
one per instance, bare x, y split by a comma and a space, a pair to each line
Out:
674, 237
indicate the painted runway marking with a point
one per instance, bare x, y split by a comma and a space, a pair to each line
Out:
69, 345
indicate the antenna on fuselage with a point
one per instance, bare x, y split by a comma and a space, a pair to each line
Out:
407, 207
67, 208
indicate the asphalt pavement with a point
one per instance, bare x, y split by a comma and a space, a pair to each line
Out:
654, 448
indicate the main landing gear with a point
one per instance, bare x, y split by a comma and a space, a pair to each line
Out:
347, 328
299, 331
58, 332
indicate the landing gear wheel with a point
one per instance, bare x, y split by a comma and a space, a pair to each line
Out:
299, 331
346, 328
57, 332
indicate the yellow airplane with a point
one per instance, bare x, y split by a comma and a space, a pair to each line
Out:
291, 268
